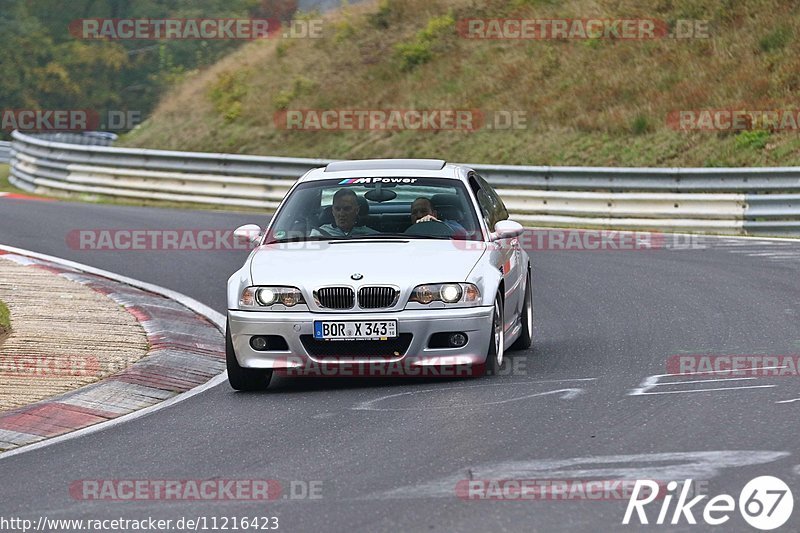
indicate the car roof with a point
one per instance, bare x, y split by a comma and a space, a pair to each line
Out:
378, 168
386, 164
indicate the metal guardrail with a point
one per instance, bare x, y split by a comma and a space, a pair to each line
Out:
90, 138
723, 200
5, 151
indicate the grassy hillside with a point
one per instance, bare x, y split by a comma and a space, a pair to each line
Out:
592, 102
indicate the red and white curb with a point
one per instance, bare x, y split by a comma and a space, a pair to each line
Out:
186, 356
17, 196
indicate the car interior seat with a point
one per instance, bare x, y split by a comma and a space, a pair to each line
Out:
448, 207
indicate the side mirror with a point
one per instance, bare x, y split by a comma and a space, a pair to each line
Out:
506, 229
248, 233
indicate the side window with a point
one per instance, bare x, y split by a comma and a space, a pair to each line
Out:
499, 211
484, 202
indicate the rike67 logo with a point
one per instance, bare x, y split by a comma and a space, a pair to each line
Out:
766, 503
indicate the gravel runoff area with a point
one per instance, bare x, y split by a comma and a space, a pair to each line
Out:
65, 335
95, 346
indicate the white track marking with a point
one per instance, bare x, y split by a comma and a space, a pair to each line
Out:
369, 405
663, 466
704, 390
651, 382
705, 381
716, 371
562, 380
789, 401
199, 308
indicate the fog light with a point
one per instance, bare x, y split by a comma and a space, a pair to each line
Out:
258, 343
457, 340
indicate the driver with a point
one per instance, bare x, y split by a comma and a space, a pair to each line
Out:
345, 214
422, 211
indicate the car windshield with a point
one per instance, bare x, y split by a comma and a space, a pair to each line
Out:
390, 208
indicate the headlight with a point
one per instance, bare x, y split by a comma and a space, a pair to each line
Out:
449, 293
255, 297
266, 296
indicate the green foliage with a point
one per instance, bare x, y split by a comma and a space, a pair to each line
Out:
437, 27
5, 318
593, 43
775, 40
752, 139
420, 50
44, 66
301, 86
413, 54
281, 50
533, 3
640, 125
309, 15
692, 10
343, 30
227, 93
381, 18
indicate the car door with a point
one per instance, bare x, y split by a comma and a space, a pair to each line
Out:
507, 251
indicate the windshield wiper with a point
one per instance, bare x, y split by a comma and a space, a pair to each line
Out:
302, 239
376, 236
398, 236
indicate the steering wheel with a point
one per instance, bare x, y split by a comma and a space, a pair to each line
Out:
431, 228
323, 232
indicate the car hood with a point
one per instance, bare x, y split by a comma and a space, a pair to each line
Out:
394, 262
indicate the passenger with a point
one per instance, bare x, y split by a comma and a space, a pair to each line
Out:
345, 214
422, 210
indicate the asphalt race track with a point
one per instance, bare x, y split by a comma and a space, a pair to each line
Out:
389, 453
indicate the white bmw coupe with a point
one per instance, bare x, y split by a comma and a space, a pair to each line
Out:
393, 261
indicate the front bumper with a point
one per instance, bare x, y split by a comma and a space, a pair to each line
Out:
476, 322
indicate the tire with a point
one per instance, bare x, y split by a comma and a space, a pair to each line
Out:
243, 379
526, 333
494, 357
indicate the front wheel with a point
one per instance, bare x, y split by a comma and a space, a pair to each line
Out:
494, 357
243, 379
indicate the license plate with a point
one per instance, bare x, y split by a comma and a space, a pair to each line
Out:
355, 330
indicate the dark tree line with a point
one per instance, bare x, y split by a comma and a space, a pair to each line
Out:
44, 66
